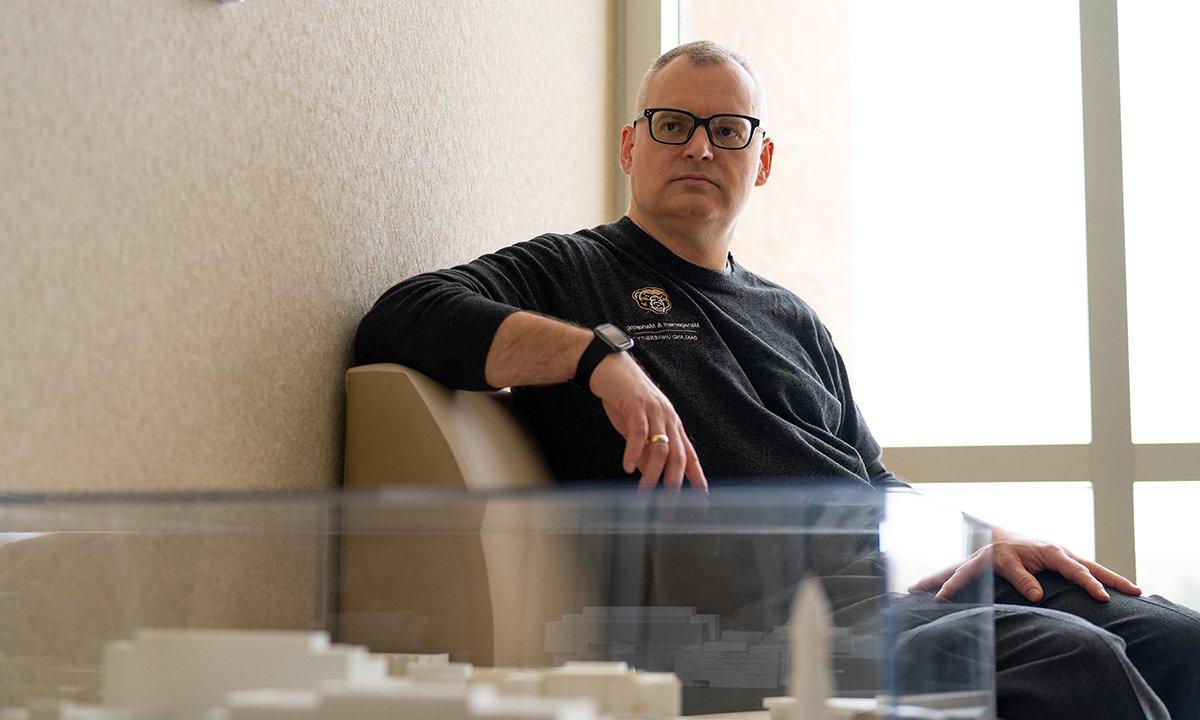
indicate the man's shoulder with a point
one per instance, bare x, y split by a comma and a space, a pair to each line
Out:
770, 287
801, 317
552, 254
586, 245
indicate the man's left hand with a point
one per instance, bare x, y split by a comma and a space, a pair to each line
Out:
1016, 558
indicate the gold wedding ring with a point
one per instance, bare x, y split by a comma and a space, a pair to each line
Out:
659, 438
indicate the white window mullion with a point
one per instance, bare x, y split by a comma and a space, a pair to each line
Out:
1167, 462
647, 29
1112, 456
990, 464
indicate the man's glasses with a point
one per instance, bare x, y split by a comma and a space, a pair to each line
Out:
675, 127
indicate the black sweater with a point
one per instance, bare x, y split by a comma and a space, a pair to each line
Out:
753, 373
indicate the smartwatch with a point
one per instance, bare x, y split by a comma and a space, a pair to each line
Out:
609, 339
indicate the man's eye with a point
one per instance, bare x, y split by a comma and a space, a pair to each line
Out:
725, 131
670, 126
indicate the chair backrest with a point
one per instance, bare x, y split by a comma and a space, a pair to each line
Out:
484, 597
405, 428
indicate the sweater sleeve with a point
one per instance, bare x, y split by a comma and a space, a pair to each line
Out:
854, 431
442, 323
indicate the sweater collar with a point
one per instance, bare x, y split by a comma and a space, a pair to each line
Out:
640, 242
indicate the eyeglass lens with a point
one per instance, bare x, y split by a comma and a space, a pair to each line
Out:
725, 131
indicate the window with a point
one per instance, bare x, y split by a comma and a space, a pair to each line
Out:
1160, 112
1167, 560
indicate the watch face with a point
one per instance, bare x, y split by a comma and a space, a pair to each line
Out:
615, 336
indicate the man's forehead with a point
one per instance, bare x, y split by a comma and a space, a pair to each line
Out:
703, 89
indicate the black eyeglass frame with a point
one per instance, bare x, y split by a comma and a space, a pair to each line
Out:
697, 121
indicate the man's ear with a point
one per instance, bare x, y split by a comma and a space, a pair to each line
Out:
626, 157
764, 162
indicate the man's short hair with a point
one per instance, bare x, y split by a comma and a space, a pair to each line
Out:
702, 52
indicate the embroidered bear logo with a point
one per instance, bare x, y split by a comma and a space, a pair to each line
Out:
653, 300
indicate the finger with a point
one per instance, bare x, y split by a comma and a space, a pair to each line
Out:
1026, 584
635, 442
679, 459
934, 581
1108, 577
939, 578
1075, 571
676, 458
654, 457
966, 572
693, 471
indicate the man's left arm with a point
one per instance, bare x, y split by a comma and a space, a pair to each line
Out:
854, 431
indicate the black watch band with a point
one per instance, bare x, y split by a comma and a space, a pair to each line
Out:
608, 339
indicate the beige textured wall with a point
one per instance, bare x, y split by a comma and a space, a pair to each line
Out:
200, 200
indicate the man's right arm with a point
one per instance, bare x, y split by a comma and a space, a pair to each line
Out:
465, 328
531, 349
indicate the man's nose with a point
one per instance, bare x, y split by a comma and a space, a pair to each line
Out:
698, 148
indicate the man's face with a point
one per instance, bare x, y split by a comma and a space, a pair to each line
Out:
721, 179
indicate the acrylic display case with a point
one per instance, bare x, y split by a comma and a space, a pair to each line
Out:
717, 589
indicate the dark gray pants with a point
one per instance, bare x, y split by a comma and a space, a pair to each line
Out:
1072, 656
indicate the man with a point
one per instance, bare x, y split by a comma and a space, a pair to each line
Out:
731, 376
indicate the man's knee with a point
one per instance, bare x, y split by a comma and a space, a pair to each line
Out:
1169, 628
1164, 642
1049, 664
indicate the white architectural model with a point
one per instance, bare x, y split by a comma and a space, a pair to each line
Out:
279, 675
399, 699
617, 690
810, 682
282, 675
187, 672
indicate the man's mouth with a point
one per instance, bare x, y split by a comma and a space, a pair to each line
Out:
701, 178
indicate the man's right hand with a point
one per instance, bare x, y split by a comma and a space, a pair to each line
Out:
639, 410
532, 349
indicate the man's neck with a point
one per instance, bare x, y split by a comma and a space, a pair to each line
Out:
703, 244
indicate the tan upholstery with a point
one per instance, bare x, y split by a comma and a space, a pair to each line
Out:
483, 596
405, 428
